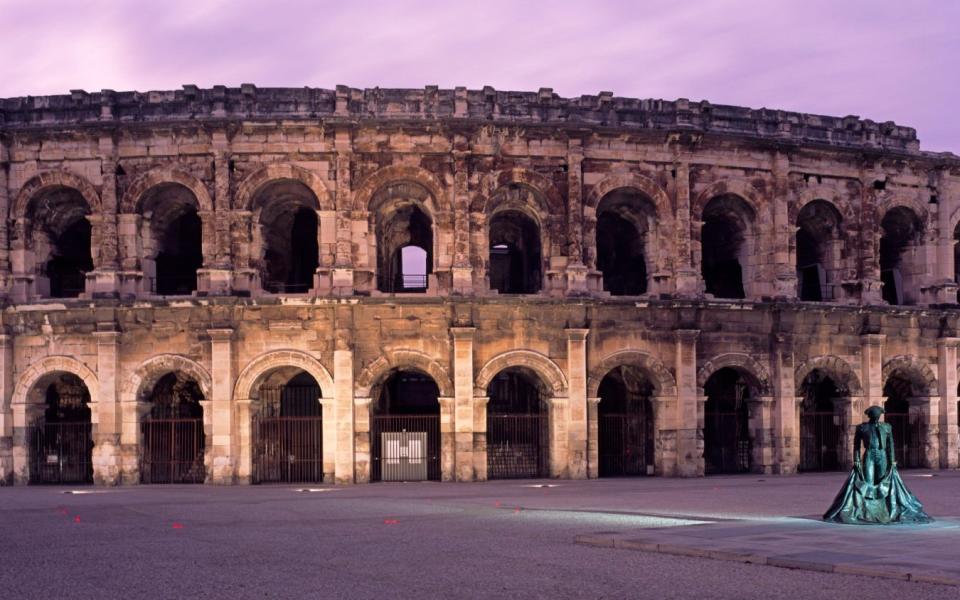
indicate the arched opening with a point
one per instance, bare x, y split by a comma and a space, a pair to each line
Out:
60, 239
404, 231
172, 239
625, 227
288, 230
625, 423
517, 426
901, 261
906, 424
287, 428
413, 266
61, 436
818, 251
405, 428
727, 443
727, 246
822, 423
515, 253
172, 435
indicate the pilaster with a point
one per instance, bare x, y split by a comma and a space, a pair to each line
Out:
786, 423
871, 356
593, 438
688, 419
222, 453
6, 412
947, 380
447, 440
577, 447
463, 402
480, 437
576, 270
687, 278
342, 278
107, 461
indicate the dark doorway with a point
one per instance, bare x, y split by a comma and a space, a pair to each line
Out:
623, 224
405, 248
625, 424
515, 257
726, 222
291, 261
906, 431
405, 429
288, 430
172, 435
517, 427
821, 425
727, 445
902, 231
70, 261
818, 231
179, 254
61, 443
59, 234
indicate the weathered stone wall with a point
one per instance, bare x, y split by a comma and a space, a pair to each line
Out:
463, 156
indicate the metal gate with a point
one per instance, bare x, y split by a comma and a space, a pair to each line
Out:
172, 451
288, 450
623, 440
61, 453
516, 446
821, 438
906, 439
727, 446
405, 448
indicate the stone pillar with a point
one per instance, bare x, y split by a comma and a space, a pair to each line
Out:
944, 288
577, 424
326, 251
871, 290
106, 449
448, 458
245, 441
947, 380
687, 420
786, 423
343, 260
926, 411
576, 270
131, 274
665, 435
593, 438
328, 409
480, 437
103, 281
461, 269
344, 415
222, 453
361, 440
463, 402
558, 450
688, 280
215, 278
5, 214
784, 264
761, 435
6, 414
871, 366
23, 416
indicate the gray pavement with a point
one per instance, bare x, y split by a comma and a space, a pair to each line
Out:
503, 539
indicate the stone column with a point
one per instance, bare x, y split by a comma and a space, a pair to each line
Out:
222, 467
480, 437
344, 415
463, 401
328, 408
343, 259
871, 291
326, 251
688, 280
664, 432
944, 288
106, 449
215, 277
448, 458
576, 270
871, 366
103, 281
461, 269
947, 380
786, 423
577, 424
687, 421
245, 440
5, 214
558, 450
784, 265
926, 411
24, 415
761, 435
361, 441
6, 414
593, 438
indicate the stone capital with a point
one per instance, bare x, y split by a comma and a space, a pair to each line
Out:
873, 339
593, 401
687, 335
462, 333
361, 401
948, 342
577, 335
220, 334
481, 400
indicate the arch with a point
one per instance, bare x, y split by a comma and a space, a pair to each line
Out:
254, 182
727, 187
648, 187
546, 369
51, 364
825, 193
543, 187
377, 371
664, 383
146, 375
742, 362
838, 369
165, 174
888, 201
52, 179
266, 362
398, 174
918, 371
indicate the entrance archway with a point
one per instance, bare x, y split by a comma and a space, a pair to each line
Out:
61, 436
625, 423
405, 428
517, 426
172, 441
727, 444
288, 429
822, 424
907, 435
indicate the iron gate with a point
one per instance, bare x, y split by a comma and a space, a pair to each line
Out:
61, 452
172, 451
623, 440
516, 446
821, 441
727, 446
421, 440
906, 440
288, 450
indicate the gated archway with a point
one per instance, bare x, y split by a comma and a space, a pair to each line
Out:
727, 443
172, 438
822, 423
287, 428
405, 428
625, 423
60, 437
518, 429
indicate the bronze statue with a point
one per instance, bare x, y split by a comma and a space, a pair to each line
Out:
874, 494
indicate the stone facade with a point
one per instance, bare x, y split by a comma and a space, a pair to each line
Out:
247, 163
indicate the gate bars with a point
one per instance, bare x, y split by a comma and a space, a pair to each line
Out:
516, 446
61, 453
404, 466
172, 451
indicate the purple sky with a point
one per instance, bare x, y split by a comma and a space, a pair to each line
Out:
880, 59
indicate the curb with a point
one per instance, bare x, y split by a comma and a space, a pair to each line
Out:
783, 562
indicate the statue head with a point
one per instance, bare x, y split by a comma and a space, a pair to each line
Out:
873, 413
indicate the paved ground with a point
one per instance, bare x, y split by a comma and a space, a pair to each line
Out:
481, 540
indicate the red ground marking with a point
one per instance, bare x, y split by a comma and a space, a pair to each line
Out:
390, 521
76, 519
178, 525
516, 510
